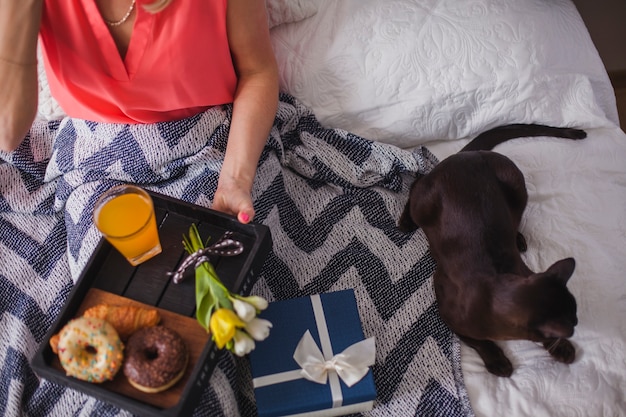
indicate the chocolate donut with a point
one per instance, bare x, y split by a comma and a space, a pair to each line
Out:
156, 358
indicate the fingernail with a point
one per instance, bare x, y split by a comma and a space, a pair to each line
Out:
244, 218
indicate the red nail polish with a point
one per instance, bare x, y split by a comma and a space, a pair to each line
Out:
244, 217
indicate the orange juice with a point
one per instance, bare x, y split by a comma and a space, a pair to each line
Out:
125, 216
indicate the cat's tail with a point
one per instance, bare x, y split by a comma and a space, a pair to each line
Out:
489, 139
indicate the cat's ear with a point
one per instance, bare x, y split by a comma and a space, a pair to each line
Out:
561, 270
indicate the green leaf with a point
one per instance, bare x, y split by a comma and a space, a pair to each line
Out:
205, 302
194, 237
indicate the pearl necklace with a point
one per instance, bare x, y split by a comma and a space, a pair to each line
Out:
123, 19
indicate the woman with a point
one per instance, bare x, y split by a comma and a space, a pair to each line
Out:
126, 62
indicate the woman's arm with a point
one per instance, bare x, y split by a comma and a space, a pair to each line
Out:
254, 107
19, 28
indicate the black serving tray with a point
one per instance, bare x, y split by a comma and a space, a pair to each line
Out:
107, 272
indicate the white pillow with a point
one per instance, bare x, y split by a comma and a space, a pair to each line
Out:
407, 72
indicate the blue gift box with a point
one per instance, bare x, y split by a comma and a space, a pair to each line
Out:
333, 323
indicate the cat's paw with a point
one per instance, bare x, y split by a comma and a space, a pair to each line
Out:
494, 358
561, 350
500, 366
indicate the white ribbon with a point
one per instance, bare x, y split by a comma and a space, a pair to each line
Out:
351, 365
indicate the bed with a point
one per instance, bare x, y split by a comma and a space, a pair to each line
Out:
373, 93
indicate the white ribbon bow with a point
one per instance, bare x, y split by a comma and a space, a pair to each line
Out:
351, 365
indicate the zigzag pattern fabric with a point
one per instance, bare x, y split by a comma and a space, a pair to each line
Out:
331, 200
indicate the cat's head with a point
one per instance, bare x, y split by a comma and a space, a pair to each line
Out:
551, 307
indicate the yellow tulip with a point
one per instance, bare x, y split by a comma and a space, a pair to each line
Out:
223, 324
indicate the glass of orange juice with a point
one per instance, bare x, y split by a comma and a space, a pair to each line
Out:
125, 216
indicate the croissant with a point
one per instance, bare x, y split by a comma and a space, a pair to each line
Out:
125, 319
54, 343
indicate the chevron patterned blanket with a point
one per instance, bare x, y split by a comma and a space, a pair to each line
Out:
331, 200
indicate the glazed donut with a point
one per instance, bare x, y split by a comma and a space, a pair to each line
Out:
90, 349
156, 358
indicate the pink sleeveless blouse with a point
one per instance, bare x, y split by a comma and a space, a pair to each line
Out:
178, 62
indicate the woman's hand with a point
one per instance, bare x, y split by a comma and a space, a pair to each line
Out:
233, 197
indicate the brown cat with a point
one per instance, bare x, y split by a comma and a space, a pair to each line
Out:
470, 207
